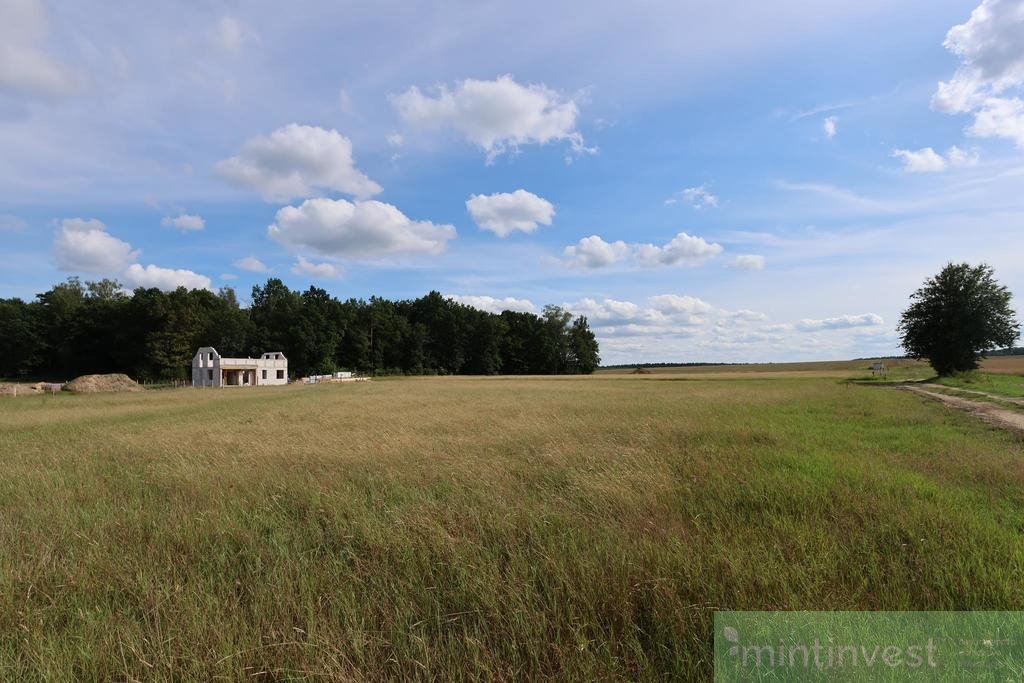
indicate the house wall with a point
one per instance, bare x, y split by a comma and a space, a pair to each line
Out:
208, 368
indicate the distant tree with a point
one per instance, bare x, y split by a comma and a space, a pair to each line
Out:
556, 327
20, 343
956, 316
583, 349
105, 289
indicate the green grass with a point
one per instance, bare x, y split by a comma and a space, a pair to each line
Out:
481, 528
1002, 385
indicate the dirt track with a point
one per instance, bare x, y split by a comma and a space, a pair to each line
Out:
989, 412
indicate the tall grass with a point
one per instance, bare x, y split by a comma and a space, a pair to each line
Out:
481, 528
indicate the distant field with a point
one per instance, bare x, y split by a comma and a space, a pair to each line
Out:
901, 368
511, 528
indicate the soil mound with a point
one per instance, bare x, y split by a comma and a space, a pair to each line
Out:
94, 384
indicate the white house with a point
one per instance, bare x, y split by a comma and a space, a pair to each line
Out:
210, 369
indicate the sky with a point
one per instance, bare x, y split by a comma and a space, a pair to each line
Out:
715, 182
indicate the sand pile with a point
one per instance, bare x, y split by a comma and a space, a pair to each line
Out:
92, 384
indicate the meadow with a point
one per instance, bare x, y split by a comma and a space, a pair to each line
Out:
483, 528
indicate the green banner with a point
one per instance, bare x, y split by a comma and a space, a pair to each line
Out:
869, 646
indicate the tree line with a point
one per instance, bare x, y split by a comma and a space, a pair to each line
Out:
78, 328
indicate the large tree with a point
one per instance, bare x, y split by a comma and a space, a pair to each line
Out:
956, 316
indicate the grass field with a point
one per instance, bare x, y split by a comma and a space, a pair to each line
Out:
999, 384
482, 528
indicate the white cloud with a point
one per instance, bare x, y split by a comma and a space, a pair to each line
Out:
671, 304
745, 315
747, 262
297, 161
395, 139
611, 313
361, 229
840, 322
24, 67
165, 279
251, 264
990, 78
85, 246
698, 197
961, 157
829, 126
494, 305
1002, 118
663, 314
594, 252
320, 270
504, 212
683, 249
184, 222
499, 115
927, 160
227, 277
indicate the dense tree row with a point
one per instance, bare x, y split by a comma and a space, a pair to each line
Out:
77, 328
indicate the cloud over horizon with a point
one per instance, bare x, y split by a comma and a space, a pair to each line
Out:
505, 212
362, 229
295, 162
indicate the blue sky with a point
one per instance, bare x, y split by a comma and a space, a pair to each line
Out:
704, 181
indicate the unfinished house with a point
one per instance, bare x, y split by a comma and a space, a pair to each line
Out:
210, 369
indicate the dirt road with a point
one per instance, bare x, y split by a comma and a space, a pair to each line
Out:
989, 412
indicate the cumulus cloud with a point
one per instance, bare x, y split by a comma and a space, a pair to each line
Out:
166, 279
698, 197
184, 222
499, 116
504, 212
321, 270
663, 314
683, 249
85, 246
361, 229
297, 161
745, 315
227, 277
990, 79
672, 304
927, 160
840, 322
251, 264
494, 305
24, 67
594, 252
830, 127
747, 262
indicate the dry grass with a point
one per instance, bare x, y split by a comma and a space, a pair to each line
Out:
481, 528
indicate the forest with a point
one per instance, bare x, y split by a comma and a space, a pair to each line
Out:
80, 327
